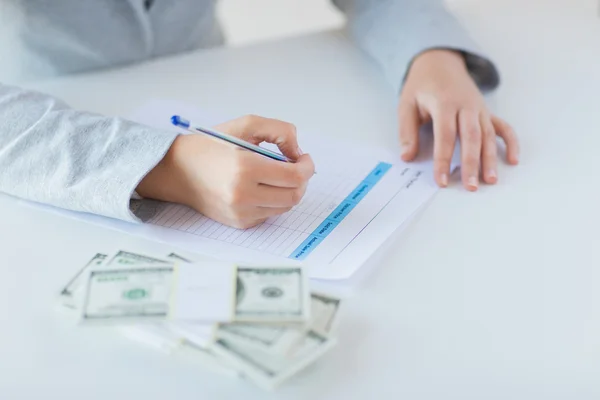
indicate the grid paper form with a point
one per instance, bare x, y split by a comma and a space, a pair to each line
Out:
280, 235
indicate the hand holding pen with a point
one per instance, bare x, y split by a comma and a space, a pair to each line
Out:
232, 186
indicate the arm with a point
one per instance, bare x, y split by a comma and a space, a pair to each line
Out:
436, 69
395, 32
52, 154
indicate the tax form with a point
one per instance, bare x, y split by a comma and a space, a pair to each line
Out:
359, 198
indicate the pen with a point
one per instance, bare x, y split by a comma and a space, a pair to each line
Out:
185, 124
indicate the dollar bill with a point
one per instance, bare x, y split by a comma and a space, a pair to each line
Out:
140, 293
206, 358
71, 293
126, 258
269, 338
252, 307
177, 257
277, 327
269, 370
143, 293
284, 340
324, 310
277, 294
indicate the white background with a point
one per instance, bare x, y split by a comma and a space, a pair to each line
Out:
488, 296
250, 21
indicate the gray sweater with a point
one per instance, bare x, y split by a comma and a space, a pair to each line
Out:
53, 154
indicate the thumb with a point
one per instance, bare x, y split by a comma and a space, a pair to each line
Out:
256, 130
410, 123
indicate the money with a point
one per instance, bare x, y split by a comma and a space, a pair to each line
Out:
154, 292
177, 257
284, 340
128, 294
70, 293
324, 309
206, 358
127, 258
269, 370
271, 328
272, 295
272, 339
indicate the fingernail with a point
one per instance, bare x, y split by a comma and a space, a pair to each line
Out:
444, 180
405, 150
473, 182
492, 174
300, 152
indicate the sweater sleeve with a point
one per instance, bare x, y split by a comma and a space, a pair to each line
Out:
53, 154
394, 32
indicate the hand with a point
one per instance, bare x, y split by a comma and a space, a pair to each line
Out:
233, 186
439, 88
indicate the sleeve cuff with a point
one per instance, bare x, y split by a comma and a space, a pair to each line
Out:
482, 70
146, 148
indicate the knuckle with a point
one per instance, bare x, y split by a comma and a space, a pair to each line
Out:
234, 198
250, 119
472, 133
471, 160
238, 219
446, 103
489, 133
296, 196
490, 146
296, 177
247, 223
290, 129
447, 141
241, 224
510, 132
442, 161
240, 166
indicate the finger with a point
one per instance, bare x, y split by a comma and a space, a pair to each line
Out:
489, 151
410, 123
277, 197
507, 133
252, 216
277, 173
470, 144
262, 213
444, 132
257, 129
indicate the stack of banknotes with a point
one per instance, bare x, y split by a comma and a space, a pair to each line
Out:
272, 328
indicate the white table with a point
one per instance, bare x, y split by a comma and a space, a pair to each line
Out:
491, 295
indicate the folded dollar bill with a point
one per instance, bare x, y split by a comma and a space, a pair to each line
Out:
269, 370
201, 292
71, 295
261, 323
283, 340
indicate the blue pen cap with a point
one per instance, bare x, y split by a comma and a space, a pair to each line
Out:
178, 121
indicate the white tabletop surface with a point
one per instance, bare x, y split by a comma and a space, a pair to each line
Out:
492, 295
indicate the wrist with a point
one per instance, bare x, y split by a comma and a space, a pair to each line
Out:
165, 182
436, 58
441, 55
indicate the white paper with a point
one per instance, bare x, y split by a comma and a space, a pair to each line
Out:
342, 168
